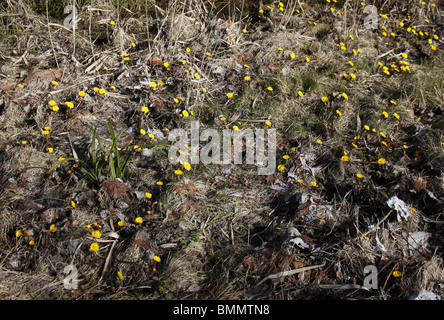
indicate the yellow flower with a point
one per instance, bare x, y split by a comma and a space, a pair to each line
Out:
229, 95
61, 159
31, 243
286, 157
54, 82
339, 113
81, 93
360, 176
382, 134
142, 132
166, 64
139, 220
404, 55
112, 22
151, 136
247, 78
178, 172
204, 90
319, 142
354, 145
381, 161
148, 195
314, 184
236, 128
385, 114
73, 204
187, 49
119, 275
300, 93
344, 95
18, 233
120, 223
324, 99
269, 88
405, 146
96, 234
52, 227
69, 104
94, 247
292, 55
196, 75
281, 167
396, 115
366, 127
351, 63
344, 158
50, 150
55, 108
137, 148
351, 37
52, 103
153, 84
145, 109
156, 258
397, 273
307, 59
159, 183
185, 113
24, 142
187, 166
268, 123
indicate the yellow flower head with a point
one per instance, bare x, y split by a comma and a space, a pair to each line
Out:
185, 113
281, 167
178, 172
382, 161
119, 275
81, 93
360, 176
229, 95
156, 258
96, 234
145, 109
94, 247
344, 158
139, 220
397, 273
268, 123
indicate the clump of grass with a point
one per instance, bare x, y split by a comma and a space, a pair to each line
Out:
112, 160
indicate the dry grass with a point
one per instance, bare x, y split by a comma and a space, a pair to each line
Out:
218, 230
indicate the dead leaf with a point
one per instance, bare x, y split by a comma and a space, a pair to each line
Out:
114, 188
419, 184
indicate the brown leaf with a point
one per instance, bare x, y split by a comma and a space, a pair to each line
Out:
419, 184
114, 188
